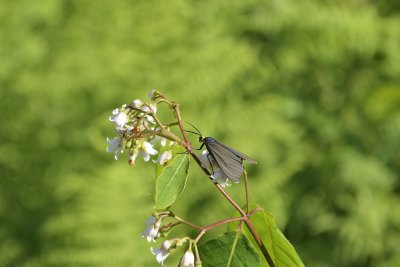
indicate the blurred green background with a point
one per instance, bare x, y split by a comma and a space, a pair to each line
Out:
311, 89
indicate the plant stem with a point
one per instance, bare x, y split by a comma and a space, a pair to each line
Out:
237, 207
198, 260
178, 115
187, 223
210, 226
213, 225
246, 186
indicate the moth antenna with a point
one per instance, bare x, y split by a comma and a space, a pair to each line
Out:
192, 132
198, 132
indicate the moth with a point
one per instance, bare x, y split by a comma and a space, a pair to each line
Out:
228, 160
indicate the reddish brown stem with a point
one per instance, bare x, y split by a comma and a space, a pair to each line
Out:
246, 186
178, 115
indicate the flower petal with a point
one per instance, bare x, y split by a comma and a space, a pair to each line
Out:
137, 103
164, 157
187, 259
149, 148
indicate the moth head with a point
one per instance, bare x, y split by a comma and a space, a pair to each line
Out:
201, 139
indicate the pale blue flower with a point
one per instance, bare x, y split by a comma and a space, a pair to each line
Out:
152, 229
162, 253
114, 146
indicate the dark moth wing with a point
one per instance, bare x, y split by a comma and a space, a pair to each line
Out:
229, 160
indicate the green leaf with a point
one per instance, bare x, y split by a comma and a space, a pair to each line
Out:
279, 248
217, 252
171, 182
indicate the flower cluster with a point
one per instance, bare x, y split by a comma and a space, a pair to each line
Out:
154, 230
137, 128
168, 246
140, 133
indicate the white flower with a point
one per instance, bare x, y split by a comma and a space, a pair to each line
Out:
164, 157
146, 108
187, 259
152, 229
150, 108
137, 103
220, 177
146, 150
163, 141
114, 146
119, 118
151, 94
162, 252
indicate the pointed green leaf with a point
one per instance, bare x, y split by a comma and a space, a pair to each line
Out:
217, 252
279, 248
171, 182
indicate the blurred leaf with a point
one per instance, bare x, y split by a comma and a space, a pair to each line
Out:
171, 182
218, 251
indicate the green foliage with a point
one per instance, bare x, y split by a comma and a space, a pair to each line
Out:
310, 89
171, 182
229, 247
282, 252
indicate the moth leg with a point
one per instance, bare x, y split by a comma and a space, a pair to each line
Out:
200, 148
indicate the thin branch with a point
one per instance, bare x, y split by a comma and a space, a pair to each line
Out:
196, 251
216, 224
246, 186
237, 207
178, 115
254, 211
188, 223
171, 124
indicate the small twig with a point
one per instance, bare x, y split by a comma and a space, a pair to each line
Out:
196, 251
202, 232
246, 186
178, 115
237, 207
187, 223
171, 124
213, 225
254, 211
158, 122
170, 225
